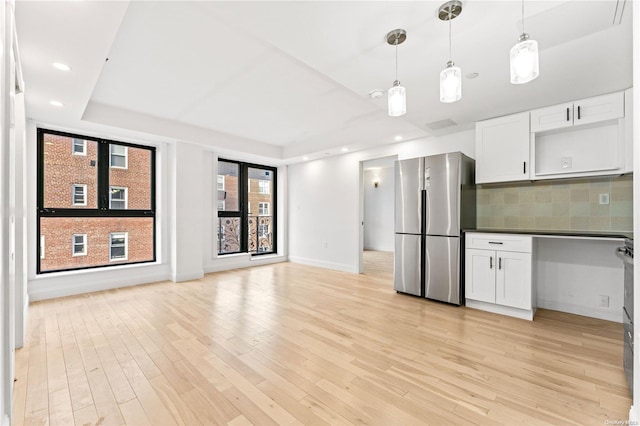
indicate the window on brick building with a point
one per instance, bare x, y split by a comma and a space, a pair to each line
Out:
117, 198
79, 243
263, 186
220, 182
79, 146
118, 156
79, 194
118, 246
112, 202
263, 209
241, 230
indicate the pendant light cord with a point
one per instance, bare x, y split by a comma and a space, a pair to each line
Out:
522, 16
396, 57
449, 34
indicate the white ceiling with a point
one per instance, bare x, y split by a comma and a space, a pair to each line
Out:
282, 80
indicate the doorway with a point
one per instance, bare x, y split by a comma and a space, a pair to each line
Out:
378, 217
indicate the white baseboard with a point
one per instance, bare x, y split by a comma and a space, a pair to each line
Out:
608, 314
178, 278
526, 314
322, 264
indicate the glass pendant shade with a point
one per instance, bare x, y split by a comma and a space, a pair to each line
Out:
524, 60
450, 84
397, 100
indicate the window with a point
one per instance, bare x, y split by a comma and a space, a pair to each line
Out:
78, 146
263, 209
241, 230
79, 245
263, 186
117, 198
112, 200
118, 156
79, 195
220, 182
118, 246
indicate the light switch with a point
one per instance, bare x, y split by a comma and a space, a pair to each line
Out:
604, 198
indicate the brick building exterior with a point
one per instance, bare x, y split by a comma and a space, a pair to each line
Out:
70, 181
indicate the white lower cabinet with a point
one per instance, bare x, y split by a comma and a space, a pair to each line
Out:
498, 274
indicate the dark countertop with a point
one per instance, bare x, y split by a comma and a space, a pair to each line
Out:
559, 233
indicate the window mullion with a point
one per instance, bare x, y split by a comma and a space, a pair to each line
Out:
103, 176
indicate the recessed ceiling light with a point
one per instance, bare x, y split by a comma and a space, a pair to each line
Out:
60, 66
305, 158
472, 75
345, 149
398, 138
375, 94
56, 103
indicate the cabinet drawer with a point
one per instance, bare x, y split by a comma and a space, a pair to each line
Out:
503, 242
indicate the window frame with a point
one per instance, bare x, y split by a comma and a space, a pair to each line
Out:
74, 243
126, 196
73, 194
84, 147
126, 246
102, 209
244, 208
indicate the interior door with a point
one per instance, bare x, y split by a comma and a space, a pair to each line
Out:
407, 261
442, 269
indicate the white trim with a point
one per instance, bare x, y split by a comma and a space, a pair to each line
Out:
125, 155
344, 267
241, 260
73, 194
126, 196
126, 246
526, 314
587, 311
73, 245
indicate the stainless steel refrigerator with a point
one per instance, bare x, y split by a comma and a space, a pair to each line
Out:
435, 199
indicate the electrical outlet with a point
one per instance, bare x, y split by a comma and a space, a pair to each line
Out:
326, 244
604, 301
566, 162
604, 198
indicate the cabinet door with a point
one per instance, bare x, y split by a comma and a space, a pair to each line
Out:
480, 275
513, 279
600, 108
502, 149
553, 117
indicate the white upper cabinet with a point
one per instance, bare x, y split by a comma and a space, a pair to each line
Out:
502, 149
585, 111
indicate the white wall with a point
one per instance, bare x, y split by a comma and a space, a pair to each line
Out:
571, 274
634, 413
378, 209
325, 199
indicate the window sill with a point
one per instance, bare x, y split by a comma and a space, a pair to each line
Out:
98, 270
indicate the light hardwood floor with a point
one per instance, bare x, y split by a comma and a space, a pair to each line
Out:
293, 344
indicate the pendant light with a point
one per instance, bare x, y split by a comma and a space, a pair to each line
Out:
451, 76
397, 94
524, 58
